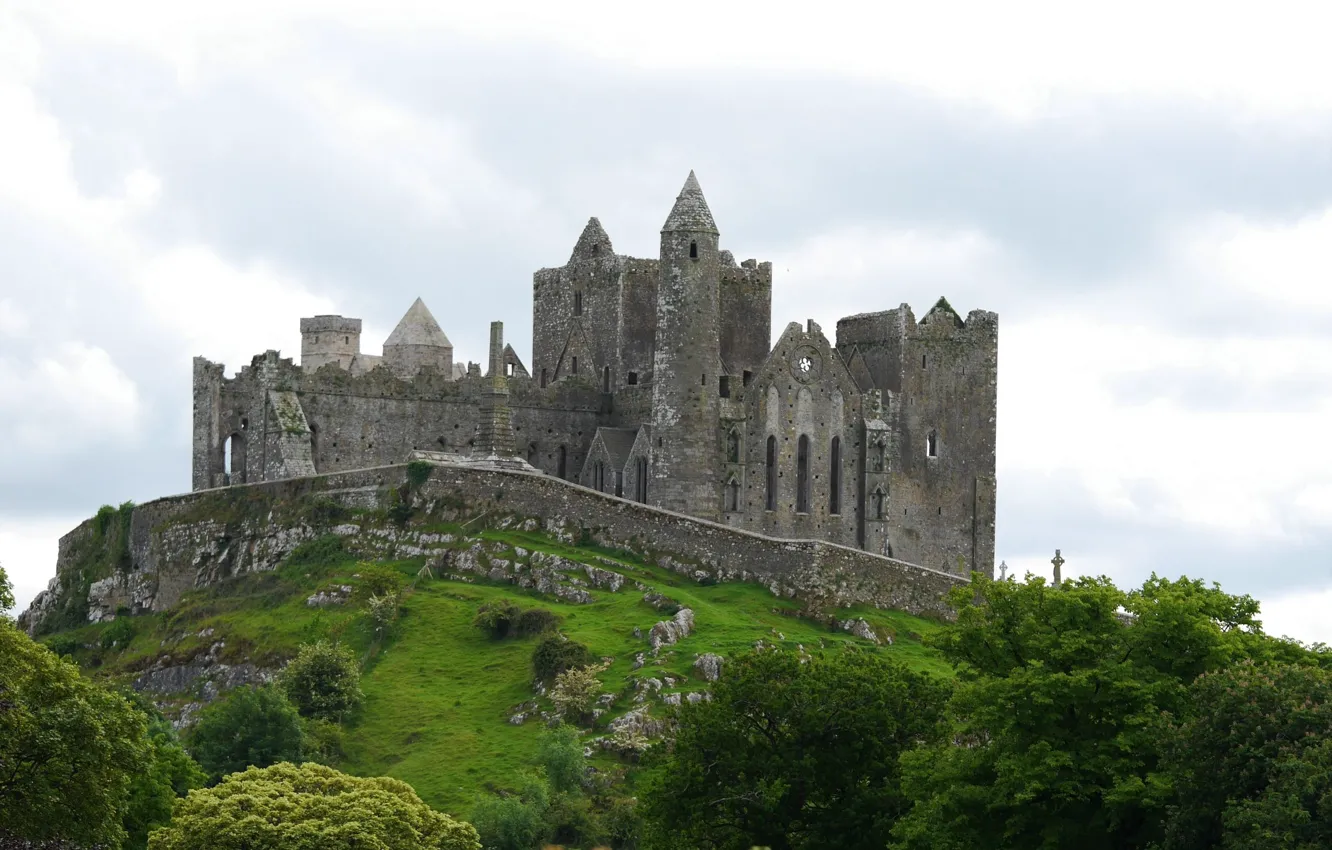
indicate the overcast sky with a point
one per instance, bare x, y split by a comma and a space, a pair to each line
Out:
1143, 193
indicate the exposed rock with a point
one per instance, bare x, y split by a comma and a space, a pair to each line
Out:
638, 633
639, 721
671, 699
670, 631
695, 698
639, 660
333, 596
659, 600
709, 666
861, 629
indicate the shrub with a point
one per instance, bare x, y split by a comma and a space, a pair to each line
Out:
497, 618
536, 621
310, 806
324, 741
249, 727
418, 472
515, 822
379, 580
576, 691
382, 610
555, 654
119, 633
62, 645
322, 681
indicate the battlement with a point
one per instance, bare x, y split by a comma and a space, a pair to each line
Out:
330, 324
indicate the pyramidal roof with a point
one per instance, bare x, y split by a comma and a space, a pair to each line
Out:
418, 327
691, 211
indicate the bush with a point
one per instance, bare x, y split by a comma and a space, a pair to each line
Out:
497, 618
502, 618
536, 621
379, 580
249, 727
62, 645
310, 806
576, 691
119, 633
515, 822
322, 681
324, 742
555, 654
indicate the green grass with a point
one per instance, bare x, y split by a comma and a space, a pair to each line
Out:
439, 692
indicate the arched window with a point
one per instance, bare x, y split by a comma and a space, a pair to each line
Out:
772, 474
532, 453
578, 303
640, 479
605, 379
733, 495
835, 477
544, 376
802, 475
733, 446
564, 461
932, 444
876, 503
226, 460
599, 476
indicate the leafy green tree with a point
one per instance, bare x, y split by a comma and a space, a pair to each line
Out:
309, 807
6, 591
1060, 711
323, 681
556, 653
168, 774
560, 753
792, 755
249, 727
516, 821
1252, 763
68, 748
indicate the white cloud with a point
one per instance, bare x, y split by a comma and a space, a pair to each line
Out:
28, 553
72, 396
1018, 56
1301, 615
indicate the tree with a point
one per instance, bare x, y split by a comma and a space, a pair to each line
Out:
1061, 709
6, 591
309, 807
576, 691
68, 748
792, 755
248, 727
1251, 764
169, 773
322, 681
516, 821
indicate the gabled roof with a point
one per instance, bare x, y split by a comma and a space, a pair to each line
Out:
418, 327
618, 442
690, 212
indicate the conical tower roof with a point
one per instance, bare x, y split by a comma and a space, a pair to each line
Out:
593, 240
690, 212
418, 327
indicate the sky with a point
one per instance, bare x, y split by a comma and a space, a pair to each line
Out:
1141, 191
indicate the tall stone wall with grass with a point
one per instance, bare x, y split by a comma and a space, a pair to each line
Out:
143, 558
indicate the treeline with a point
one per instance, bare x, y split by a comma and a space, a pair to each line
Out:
1082, 715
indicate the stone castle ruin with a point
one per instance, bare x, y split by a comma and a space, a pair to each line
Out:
654, 380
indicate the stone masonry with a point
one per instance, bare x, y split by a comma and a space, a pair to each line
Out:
655, 380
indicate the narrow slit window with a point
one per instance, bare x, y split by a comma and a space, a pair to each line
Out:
802, 475
605, 379
932, 444
733, 495
835, 477
544, 377
573, 368
578, 303
564, 462
733, 447
693, 250
772, 474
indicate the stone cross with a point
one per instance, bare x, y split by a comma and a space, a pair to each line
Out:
1058, 561
1003, 570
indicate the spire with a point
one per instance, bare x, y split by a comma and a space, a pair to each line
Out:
690, 212
418, 327
593, 240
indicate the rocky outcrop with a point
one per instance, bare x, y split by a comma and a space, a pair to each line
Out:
671, 631
709, 666
862, 629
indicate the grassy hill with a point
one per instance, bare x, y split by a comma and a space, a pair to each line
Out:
439, 691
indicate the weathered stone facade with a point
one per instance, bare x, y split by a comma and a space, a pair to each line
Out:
655, 380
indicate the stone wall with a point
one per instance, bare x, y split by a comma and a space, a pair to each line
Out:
183, 542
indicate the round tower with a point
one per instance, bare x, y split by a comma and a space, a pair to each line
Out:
687, 361
329, 339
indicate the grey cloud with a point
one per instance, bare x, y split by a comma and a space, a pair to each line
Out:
1214, 392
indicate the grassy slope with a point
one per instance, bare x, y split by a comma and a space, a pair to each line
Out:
439, 693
